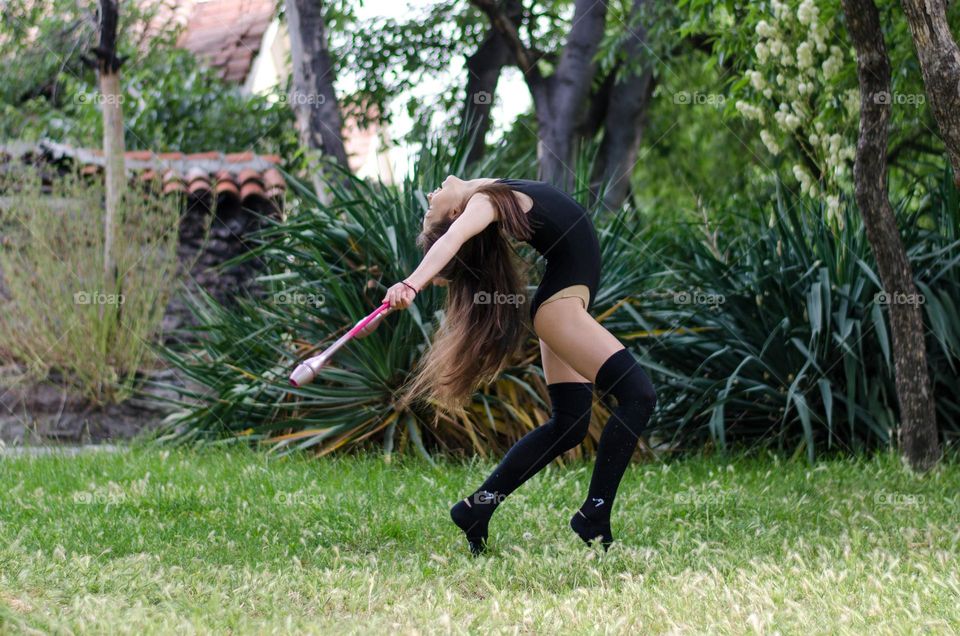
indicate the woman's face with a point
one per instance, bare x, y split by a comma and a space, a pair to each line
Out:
444, 199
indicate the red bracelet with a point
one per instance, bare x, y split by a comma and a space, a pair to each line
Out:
410, 286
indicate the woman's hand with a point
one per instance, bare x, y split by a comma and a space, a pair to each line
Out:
373, 324
400, 296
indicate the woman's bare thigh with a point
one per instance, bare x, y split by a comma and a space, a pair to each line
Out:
574, 336
555, 369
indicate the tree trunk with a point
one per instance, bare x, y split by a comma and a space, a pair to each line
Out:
917, 433
484, 68
314, 99
940, 65
565, 114
108, 67
115, 167
561, 99
625, 119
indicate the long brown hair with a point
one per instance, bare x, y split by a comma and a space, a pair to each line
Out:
482, 323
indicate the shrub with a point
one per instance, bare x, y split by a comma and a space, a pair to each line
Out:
794, 352
60, 315
329, 265
781, 336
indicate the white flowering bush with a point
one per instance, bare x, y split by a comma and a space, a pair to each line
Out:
807, 112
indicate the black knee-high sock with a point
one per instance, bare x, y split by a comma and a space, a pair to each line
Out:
571, 403
620, 376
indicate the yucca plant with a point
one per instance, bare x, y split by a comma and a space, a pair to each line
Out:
325, 267
781, 336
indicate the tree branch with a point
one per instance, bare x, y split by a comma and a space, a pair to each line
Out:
499, 20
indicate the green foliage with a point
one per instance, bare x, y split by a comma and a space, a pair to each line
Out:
442, 34
173, 103
437, 33
41, 40
813, 147
780, 335
693, 158
170, 102
795, 354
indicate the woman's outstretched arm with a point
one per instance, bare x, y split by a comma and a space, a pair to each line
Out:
476, 216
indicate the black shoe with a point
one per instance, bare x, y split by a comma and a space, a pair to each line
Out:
589, 530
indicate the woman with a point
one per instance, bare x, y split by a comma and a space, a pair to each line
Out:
465, 241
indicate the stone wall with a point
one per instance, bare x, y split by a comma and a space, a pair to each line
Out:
229, 236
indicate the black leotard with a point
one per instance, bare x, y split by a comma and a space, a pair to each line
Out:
564, 234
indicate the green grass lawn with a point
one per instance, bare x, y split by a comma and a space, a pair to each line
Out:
217, 541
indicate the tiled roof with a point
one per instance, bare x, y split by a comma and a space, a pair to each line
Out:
238, 176
226, 34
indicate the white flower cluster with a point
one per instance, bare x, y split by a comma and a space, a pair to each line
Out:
807, 12
807, 184
832, 64
787, 118
770, 142
851, 100
833, 206
791, 80
750, 111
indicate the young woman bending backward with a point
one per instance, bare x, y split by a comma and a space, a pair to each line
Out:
465, 241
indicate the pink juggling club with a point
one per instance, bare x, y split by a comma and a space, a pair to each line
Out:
307, 370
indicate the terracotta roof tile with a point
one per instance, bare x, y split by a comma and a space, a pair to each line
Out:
198, 186
213, 154
138, 155
252, 189
274, 182
238, 175
173, 187
228, 186
225, 183
248, 174
239, 156
196, 172
226, 34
